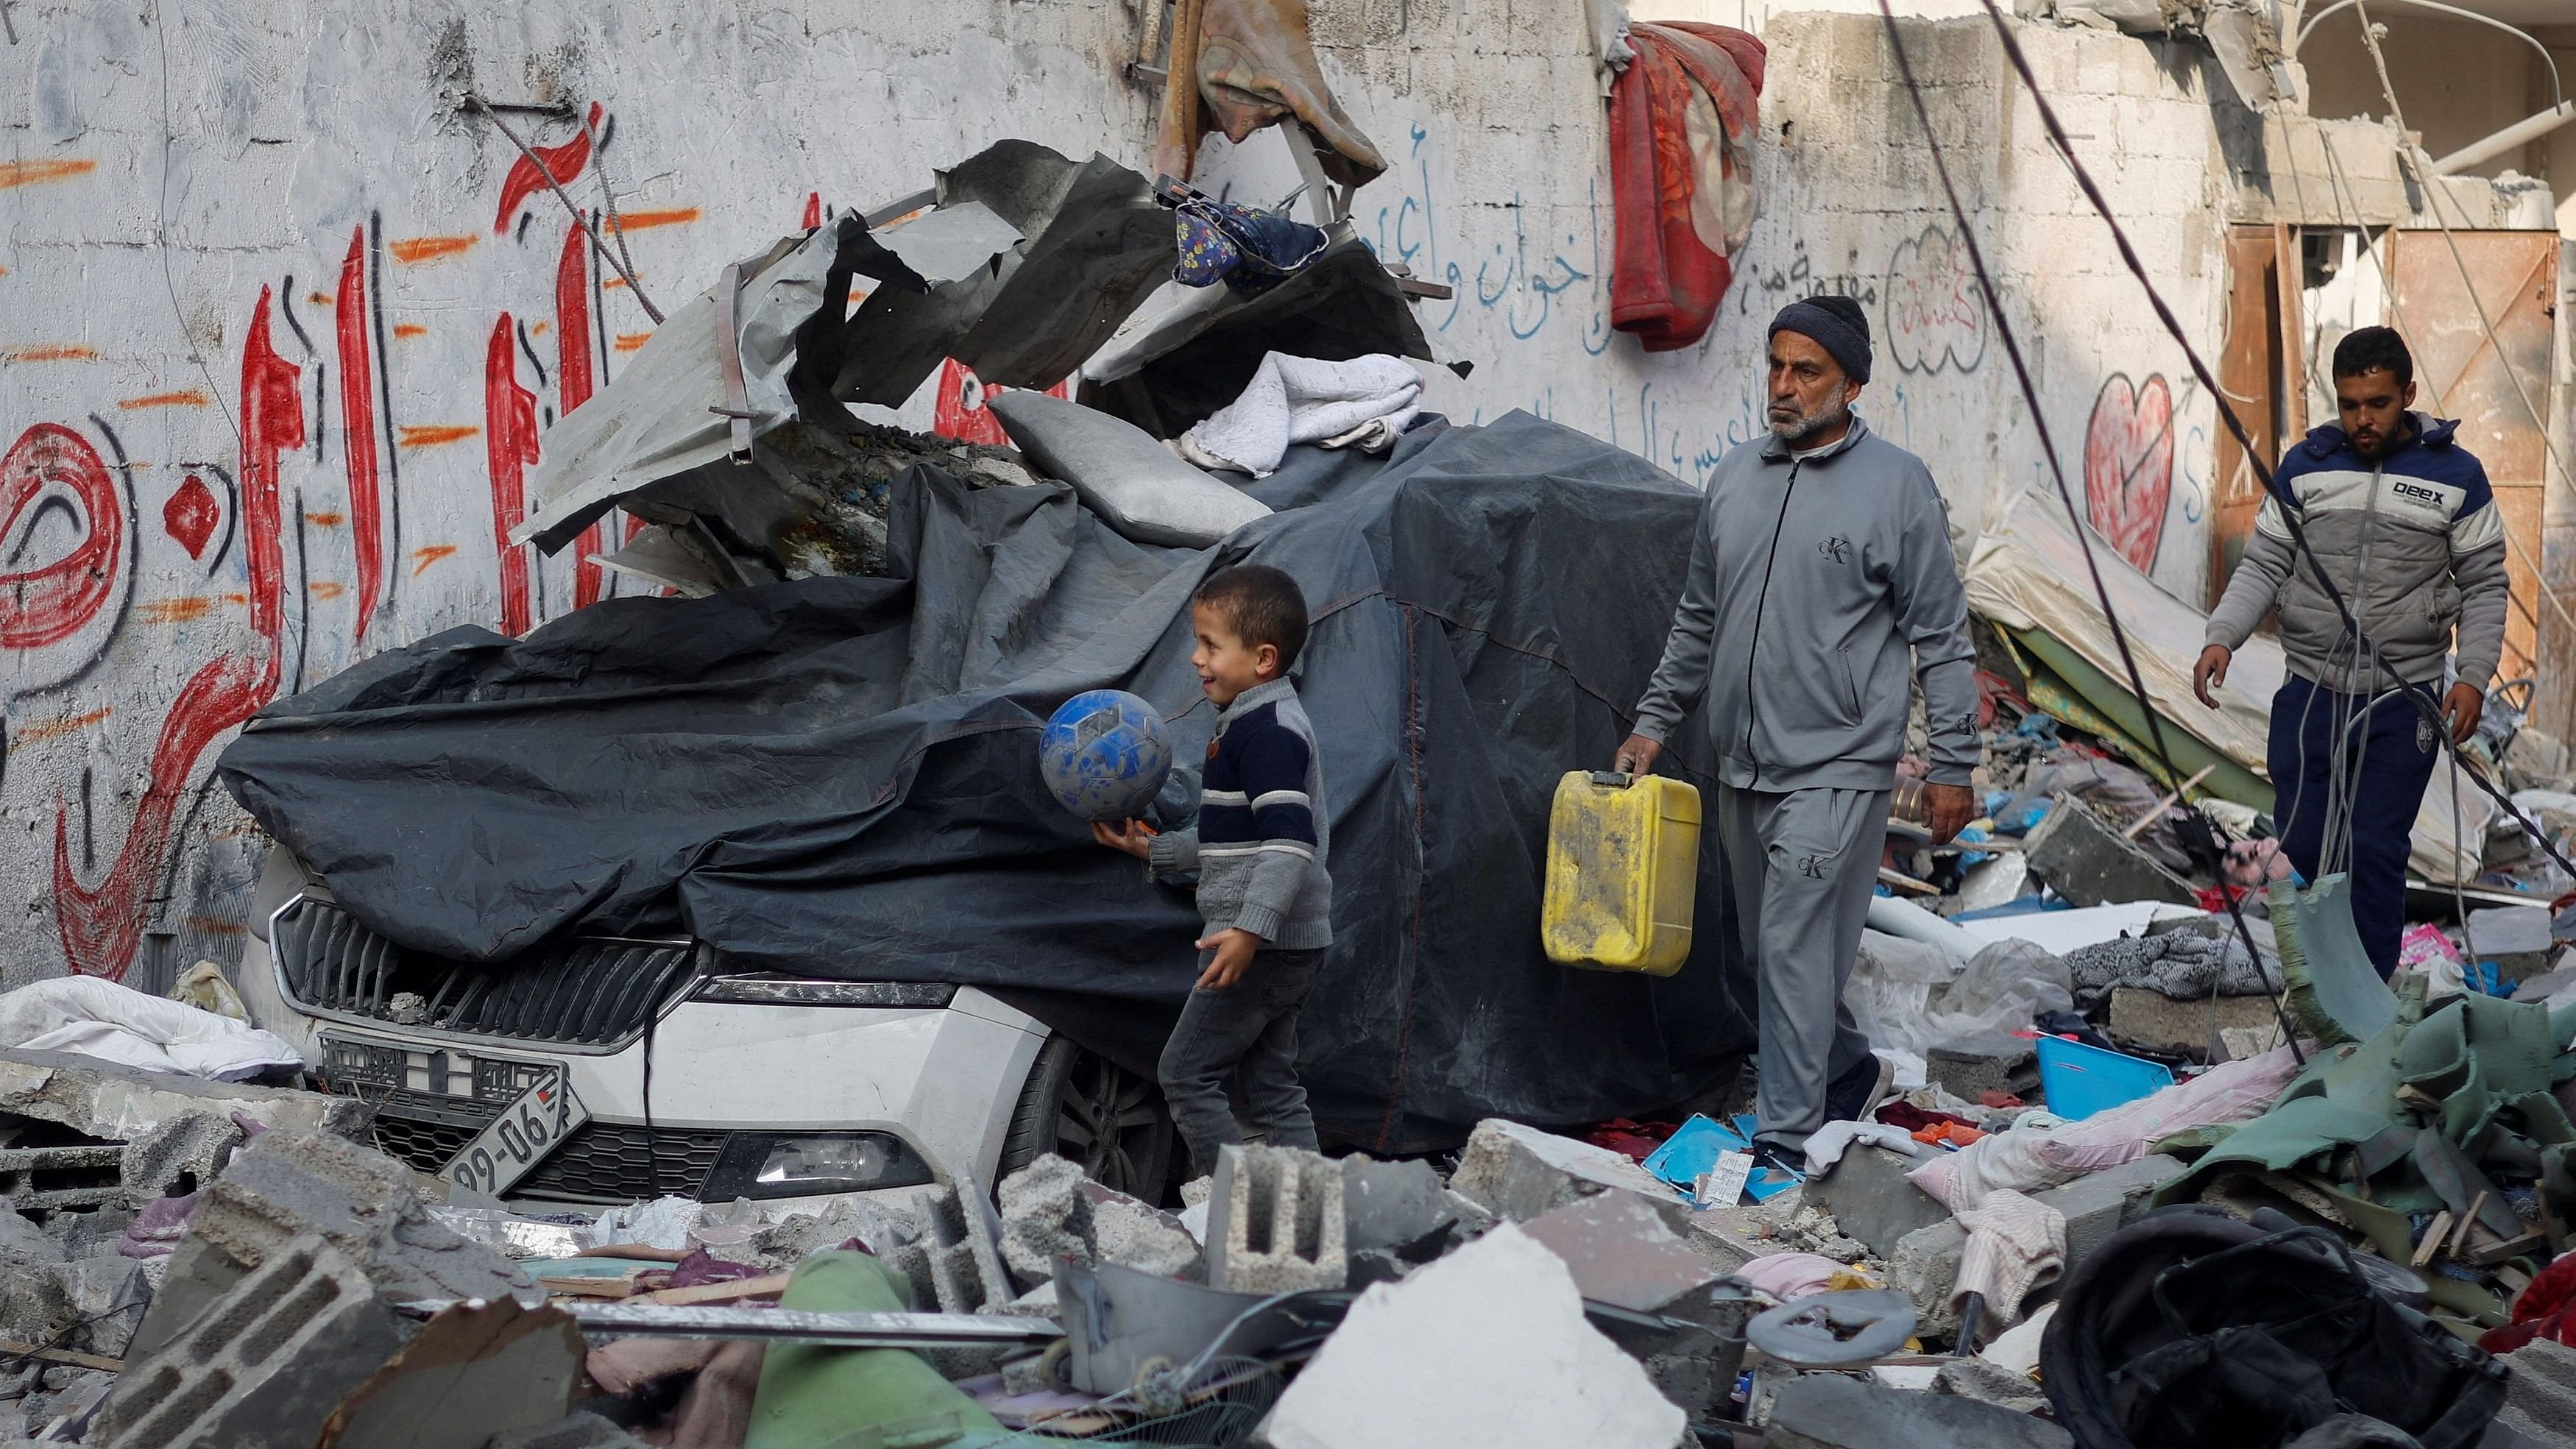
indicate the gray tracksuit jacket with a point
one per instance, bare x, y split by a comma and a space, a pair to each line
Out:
2414, 542
1817, 585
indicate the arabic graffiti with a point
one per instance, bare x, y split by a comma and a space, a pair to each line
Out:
1936, 313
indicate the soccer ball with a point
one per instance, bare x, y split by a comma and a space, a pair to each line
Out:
1105, 755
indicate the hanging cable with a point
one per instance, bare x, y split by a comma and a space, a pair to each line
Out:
2556, 94
2056, 467
2236, 426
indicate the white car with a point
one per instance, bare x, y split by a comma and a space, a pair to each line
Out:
683, 1078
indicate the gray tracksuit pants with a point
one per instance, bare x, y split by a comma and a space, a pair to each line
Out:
1804, 864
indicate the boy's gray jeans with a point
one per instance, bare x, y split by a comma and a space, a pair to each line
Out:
1250, 1027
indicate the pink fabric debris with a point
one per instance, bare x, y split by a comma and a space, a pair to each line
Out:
1787, 1277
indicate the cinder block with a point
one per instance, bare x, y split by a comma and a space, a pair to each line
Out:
177, 1157
284, 1185
266, 1363
953, 1265
52, 1179
1984, 1061
2101, 1203
1518, 1173
2156, 1022
1872, 1200
1925, 1268
2084, 859
1275, 1222
1045, 1217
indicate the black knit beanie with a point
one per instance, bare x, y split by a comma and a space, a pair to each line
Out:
1836, 324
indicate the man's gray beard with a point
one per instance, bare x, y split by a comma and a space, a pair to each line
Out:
1808, 426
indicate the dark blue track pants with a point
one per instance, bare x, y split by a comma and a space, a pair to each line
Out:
2389, 755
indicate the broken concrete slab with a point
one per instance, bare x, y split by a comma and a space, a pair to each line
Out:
23, 1242
1487, 1346
473, 1371
1925, 1268
1402, 1207
1622, 1252
2516, 938
2099, 1204
1831, 1411
266, 1362
584, 1430
1871, 1198
1276, 1221
1987, 1383
1135, 1234
284, 1185
2084, 858
1518, 1173
119, 1104
176, 1157
2153, 1021
87, 1305
1051, 1210
1984, 1061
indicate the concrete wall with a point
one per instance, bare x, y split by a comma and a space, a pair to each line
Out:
280, 330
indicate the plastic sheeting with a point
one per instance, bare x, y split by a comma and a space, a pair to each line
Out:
839, 776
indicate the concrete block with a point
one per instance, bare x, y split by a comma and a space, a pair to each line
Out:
2083, 858
265, 1363
1487, 1346
2157, 1022
579, 1431
176, 1157
90, 1234
953, 1265
1621, 1251
2543, 1387
90, 1305
2534, 760
474, 1371
1045, 1217
1402, 1206
1871, 1199
50, 1179
1925, 1267
285, 1185
23, 1242
2516, 938
1984, 1061
2101, 1203
1831, 1411
1989, 1383
1276, 1222
119, 1104
1518, 1173
1135, 1234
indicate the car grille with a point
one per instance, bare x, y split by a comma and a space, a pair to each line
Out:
589, 991
615, 1162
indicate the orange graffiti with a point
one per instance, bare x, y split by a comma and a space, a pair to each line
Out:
629, 341
177, 611
321, 299
639, 220
325, 589
428, 248
422, 558
538, 329
612, 284
54, 729
324, 519
410, 329
427, 435
217, 926
28, 173
49, 354
192, 398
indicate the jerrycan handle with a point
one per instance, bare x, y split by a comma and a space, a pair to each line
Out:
1613, 779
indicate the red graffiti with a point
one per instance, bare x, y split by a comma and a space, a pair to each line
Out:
510, 439
572, 386
958, 411
101, 927
191, 515
2128, 465
358, 429
813, 210
51, 602
563, 163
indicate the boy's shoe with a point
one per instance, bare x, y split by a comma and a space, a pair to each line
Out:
1777, 1158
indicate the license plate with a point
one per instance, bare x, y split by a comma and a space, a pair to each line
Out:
534, 1123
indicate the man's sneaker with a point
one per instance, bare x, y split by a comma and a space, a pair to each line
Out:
1771, 1155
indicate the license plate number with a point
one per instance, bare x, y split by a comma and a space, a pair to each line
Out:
533, 1124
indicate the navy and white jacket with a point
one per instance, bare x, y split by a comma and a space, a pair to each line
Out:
2414, 542
1261, 837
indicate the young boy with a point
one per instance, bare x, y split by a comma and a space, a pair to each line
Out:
1259, 852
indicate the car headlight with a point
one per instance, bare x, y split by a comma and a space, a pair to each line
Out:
765, 990
810, 1164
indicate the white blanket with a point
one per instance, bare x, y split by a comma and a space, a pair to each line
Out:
93, 1017
1305, 400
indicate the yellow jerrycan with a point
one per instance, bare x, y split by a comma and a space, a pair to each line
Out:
1622, 867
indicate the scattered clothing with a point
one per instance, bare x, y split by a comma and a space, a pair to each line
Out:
1787, 1277
1827, 1144
1257, 67
94, 1017
2015, 1245
2178, 964
157, 1229
1683, 119
1250, 251
2546, 1308
1306, 400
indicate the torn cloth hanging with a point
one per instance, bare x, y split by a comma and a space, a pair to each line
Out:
1682, 123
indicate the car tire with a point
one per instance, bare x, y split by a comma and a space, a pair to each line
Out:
1069, 1094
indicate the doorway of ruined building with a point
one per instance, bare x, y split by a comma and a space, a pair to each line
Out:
2484, 347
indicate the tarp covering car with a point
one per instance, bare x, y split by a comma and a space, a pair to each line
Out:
838, 776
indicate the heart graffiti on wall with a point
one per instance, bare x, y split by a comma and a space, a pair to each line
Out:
2128, 465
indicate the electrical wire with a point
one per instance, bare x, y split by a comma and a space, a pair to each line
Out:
2557, 96
632, 286
2200, 370
2048, 442
161, 203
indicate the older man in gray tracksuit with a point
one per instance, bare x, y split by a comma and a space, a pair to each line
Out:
1820, 585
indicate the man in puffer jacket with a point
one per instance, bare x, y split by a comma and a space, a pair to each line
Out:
2401, 518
